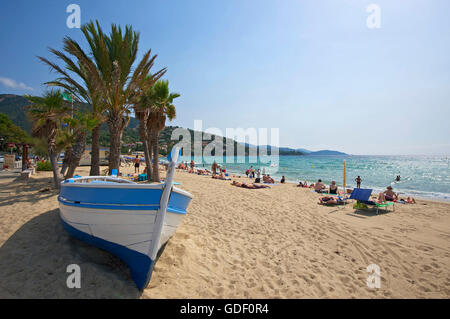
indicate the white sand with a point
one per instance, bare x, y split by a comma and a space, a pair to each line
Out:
233, 243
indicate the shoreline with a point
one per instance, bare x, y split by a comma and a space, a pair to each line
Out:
376, 190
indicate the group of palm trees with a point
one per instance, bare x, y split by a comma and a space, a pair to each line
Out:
114, 83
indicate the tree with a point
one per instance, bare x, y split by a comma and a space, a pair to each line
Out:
46, 113
10, 133
114, 56
89, 90
161, 108
81, 124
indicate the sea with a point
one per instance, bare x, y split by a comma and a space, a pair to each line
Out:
421, 176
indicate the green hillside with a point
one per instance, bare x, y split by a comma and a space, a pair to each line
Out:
14, 106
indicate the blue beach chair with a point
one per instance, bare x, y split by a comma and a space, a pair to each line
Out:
362, 197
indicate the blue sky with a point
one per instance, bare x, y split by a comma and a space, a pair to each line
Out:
313, 69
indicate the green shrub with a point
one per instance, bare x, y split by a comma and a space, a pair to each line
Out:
44, 166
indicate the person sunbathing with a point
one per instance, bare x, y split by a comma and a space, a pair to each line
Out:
409, 200
389, 194
220, 176
300, 184
319, 187
333, 188
330, 200
248, 185
238, 184
253, 186
268, 179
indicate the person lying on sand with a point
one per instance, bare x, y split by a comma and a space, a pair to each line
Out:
330, 200
203, 172
409, 200
300, 184
220, 176
249, 185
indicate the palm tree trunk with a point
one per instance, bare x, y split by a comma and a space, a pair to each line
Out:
77, 152
95, 152
155, 172
53, 159
66, 160
147, 153
115, 125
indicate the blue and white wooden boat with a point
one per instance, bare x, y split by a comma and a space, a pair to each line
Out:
132, 221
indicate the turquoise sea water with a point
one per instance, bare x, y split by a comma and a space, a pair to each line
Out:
423, 176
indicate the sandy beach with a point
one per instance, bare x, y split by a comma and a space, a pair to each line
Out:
233, 243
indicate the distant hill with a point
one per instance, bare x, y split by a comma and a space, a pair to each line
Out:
326, 152
14, 106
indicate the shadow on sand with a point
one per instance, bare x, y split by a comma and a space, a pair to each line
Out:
33, 263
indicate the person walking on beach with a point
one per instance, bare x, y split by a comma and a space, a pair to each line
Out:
137, 161
192, 165
358, 181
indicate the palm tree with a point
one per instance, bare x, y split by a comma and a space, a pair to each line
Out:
142, 112
114, 56
161, 108
108, 82
87, 90
81, 124
46, 113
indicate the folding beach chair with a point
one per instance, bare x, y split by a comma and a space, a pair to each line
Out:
362, 197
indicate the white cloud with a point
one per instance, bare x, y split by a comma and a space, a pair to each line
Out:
14, 84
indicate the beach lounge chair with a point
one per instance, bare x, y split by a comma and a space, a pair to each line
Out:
362, 197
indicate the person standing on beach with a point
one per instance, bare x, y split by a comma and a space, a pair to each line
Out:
137, 161
192, 165
358, 181
258, 176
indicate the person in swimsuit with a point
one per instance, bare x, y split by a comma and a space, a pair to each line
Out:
258, 176
137, 161
389, 194
333, 188
358, 181
319, 186
330, 200
282, 180
214, 168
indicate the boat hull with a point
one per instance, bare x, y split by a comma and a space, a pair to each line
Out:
123, 221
